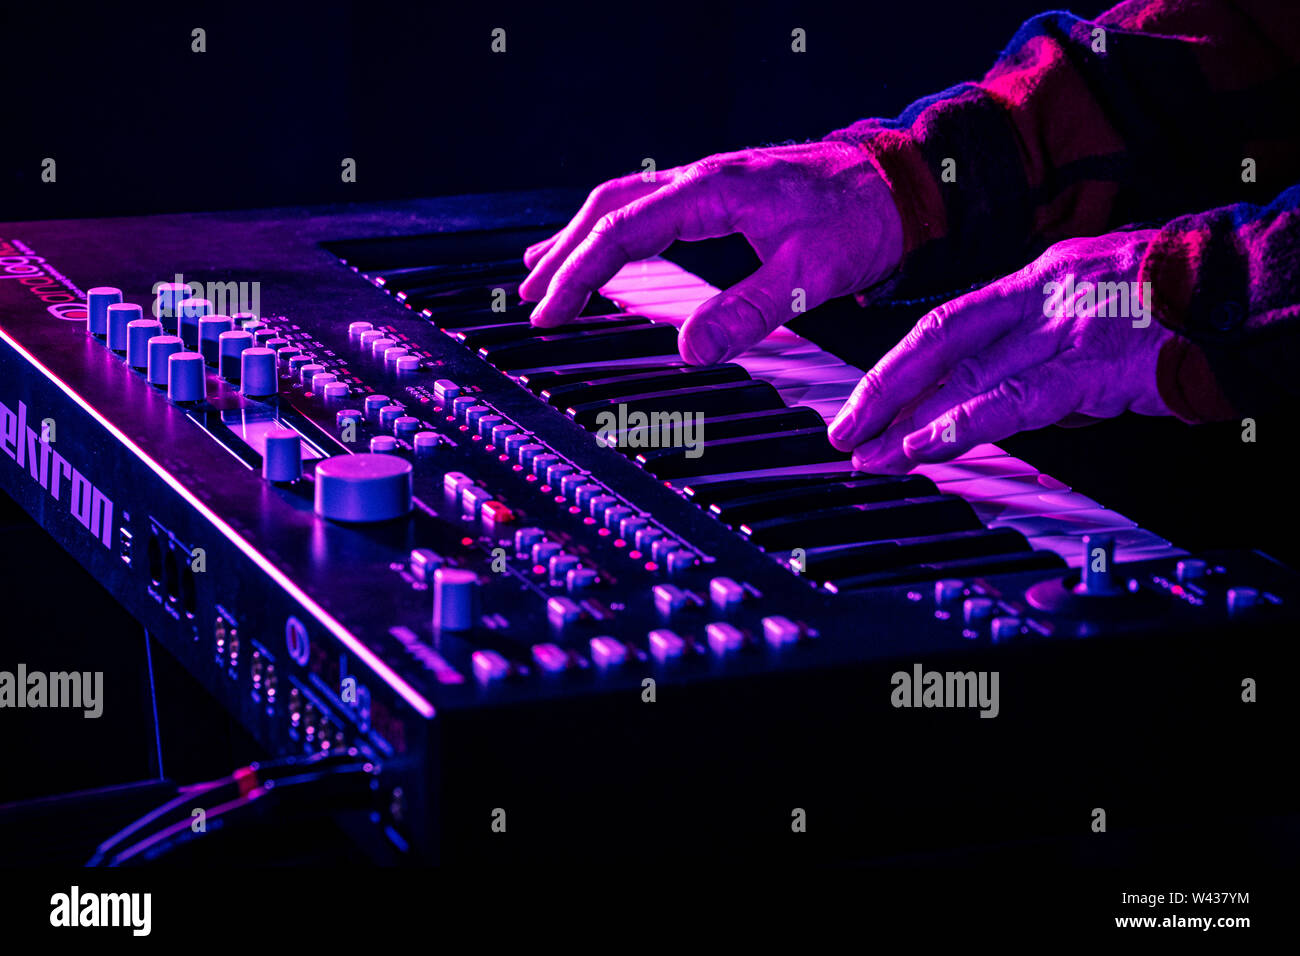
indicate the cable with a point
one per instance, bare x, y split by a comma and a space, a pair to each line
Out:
328, 782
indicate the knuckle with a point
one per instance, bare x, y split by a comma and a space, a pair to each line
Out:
965, 377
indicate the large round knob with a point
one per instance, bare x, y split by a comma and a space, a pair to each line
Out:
282, 457
161, 347
138, 334
363, 487
98, 300
257, 374
120, 315
185, 377
455, 599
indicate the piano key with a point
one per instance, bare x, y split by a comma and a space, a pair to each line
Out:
480, 245
1073, 522
476, 336
996, 488
808, 445
592, 390
842, 560
1031, 506
878, 521
469, 272
708, 400
448, 295
746, 423
706, 492
537, 380
810, 495
783, 471
997, 564
573, 347
965, 468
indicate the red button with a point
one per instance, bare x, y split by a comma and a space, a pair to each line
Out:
497, 512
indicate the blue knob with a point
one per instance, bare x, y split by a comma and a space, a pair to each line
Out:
282, 457
189, 312
161, 347
210, 329
120, 315
186, 381
167, 296
138, 334
230, 350
98, 300
257, 372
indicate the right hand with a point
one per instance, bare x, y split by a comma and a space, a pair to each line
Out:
818, 216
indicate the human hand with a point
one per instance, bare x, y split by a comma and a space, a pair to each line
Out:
1062, 337
818, 216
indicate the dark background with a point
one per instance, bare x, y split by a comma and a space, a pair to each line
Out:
138, 123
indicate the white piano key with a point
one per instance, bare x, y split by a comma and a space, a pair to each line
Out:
996, 487
963, 468
1072, 523
1135, 541
816, 392
993, 512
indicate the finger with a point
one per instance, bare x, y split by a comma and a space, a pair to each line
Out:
936, 343
742, 316
1035, 398
1016, 351
603, 200
690, 208
883, 455
537, 250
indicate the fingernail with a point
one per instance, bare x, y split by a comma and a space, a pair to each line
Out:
708, 345
921, 441
839, 429
865, 454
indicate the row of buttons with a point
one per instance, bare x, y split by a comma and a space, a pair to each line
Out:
585, 496
384, 346
663, 645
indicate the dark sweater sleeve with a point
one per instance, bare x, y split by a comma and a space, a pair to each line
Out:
1227, 282
1146, 113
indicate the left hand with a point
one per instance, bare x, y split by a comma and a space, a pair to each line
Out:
1018, 354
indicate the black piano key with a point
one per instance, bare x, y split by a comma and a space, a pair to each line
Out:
536, 380
772, 504
709, 399
452, 248
475, 273
562, 396
997, 564
761, 422
845, 560
476, 336
471, 318
455, 295
707, 494
805, 446
569, 348
878, 521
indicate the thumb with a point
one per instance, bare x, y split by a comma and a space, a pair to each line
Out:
740, 317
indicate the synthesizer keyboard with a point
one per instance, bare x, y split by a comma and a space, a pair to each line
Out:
368, 509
